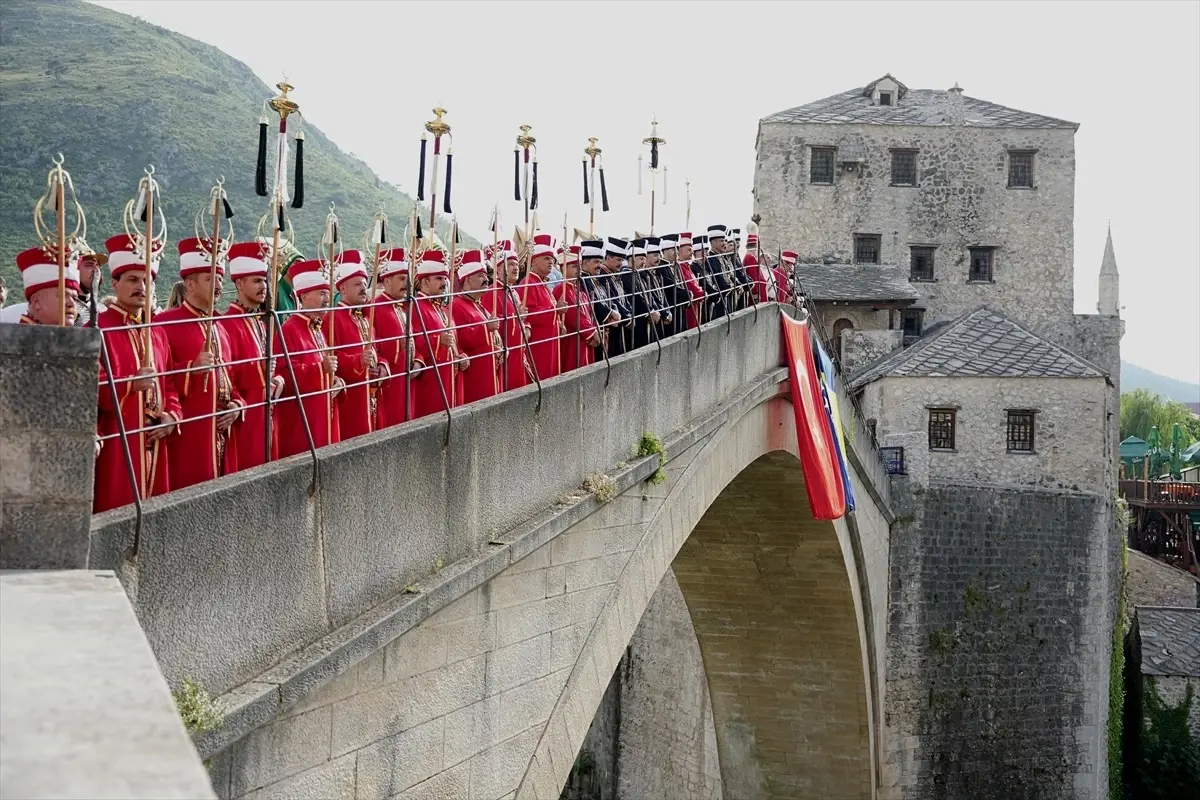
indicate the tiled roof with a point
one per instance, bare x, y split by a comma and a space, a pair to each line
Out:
849, 282
1170, 640
916, 107
979, 344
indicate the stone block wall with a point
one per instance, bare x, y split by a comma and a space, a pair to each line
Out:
1071, 448
863, 347
999, 643
1172, 689
1098, 339
1153, 583
961, 200
653, 735
47, 445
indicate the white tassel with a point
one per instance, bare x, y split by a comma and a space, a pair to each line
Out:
377, 234
140, 208
281, 168
664, 186
639, 176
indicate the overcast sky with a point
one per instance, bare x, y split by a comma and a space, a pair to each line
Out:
369, 73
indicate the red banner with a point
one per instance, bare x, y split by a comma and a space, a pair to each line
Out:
818, 458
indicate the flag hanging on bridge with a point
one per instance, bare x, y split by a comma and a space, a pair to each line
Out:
814, 434
828, 382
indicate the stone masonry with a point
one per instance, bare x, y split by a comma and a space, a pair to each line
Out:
492, 696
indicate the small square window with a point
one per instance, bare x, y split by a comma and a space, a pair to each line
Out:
941, 428
1020, 431
885, 98
920, 264
904, 167
910, 323
821, 165
1020, 169
982, 262
866, 248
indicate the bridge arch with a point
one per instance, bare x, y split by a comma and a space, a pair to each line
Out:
779, 617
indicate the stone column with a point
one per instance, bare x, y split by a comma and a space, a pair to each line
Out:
48, 384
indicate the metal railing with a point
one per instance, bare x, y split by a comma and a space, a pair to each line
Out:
654, 304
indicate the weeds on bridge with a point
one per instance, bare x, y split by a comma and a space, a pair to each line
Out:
199, 711
601, 485
649, 446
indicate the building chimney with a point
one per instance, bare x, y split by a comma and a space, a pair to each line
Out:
954, 106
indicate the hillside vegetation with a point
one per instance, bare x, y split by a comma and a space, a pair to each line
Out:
126, 94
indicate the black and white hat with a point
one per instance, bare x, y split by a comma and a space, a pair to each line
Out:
670, 241
591, 248
616, 247
700, 242
653, 244
637, 247
716, 232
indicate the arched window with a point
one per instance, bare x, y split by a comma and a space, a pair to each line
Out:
839, 326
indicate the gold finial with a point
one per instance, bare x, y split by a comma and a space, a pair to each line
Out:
524, 139
437, 126
283, 105
591, 150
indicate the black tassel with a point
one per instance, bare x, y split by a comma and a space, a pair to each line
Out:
586, 198
419, 234
334, 233
603, 192
654, 155
533, 192
382, 231
517, 175
228, 208
298, 195
281, 226
421, 173
457, 235
260, 166
449, 172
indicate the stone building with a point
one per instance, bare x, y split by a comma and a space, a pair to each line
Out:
936, 242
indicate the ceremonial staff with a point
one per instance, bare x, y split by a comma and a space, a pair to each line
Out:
525, 153
56, 239
329, 253
377, 236
148, 243
413, 234
415, 314
276, 219
448, 299
655, 141
438, 127
500, 274
216, 242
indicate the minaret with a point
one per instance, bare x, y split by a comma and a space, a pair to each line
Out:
1110, 292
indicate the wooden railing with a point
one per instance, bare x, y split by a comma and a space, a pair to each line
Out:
1162, 492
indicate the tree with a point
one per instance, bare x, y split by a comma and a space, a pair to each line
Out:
1142, 410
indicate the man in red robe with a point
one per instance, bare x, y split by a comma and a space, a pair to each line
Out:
311, 395
145, 403
393, 343
784, 271
760, 281
476, 331
348, 334
502, 303
199, 348
582, 333
690, 281
39, 273
433, 334
246, 360
545, 324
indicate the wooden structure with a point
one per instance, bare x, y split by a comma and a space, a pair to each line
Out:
1164, 520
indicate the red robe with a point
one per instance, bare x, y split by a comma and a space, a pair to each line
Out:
126, 353
476, 343
781, 284
246, 357
391, 322
696, 291
581, 326
757, 277
501, 305
306, 345
542, 320
429, 318
351, 340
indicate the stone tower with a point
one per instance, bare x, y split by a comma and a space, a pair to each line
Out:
1110, 289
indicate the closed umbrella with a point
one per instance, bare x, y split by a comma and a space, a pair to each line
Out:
1176, 450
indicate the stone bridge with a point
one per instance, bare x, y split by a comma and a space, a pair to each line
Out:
464, 607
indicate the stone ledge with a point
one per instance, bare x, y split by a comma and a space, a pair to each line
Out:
259, 701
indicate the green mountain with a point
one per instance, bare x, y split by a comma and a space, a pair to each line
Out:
1135, 377
123, 94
